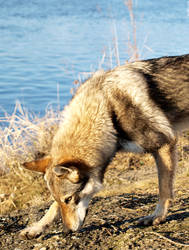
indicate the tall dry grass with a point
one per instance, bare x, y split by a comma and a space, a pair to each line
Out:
132, 37
23, 137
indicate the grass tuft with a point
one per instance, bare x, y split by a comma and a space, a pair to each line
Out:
23, 137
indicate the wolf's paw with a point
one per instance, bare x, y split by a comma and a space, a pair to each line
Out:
30, 233
151, 220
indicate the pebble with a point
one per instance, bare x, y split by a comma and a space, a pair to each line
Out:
39, 247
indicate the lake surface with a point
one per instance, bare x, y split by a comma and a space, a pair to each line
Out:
45, 45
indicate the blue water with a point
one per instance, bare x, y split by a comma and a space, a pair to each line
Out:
47, 44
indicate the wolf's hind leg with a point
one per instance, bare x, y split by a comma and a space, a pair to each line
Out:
37, 228
166, 161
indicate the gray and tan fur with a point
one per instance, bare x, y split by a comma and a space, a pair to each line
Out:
138, 107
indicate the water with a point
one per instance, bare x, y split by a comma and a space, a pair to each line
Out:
46, 44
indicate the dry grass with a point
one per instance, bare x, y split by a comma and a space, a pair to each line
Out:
132, 43
23, 138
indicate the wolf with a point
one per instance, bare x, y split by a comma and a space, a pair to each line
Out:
137, 107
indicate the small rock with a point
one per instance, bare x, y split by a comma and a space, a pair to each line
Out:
38, 247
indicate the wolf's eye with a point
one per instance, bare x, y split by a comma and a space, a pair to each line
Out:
67, 200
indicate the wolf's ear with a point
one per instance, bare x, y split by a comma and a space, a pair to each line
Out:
71, 173
39, 165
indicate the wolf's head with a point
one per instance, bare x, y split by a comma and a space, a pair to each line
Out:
72, 186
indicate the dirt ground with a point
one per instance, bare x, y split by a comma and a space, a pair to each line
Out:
113, 215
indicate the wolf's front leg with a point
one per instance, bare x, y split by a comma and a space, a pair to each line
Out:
37, 228
166, 163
